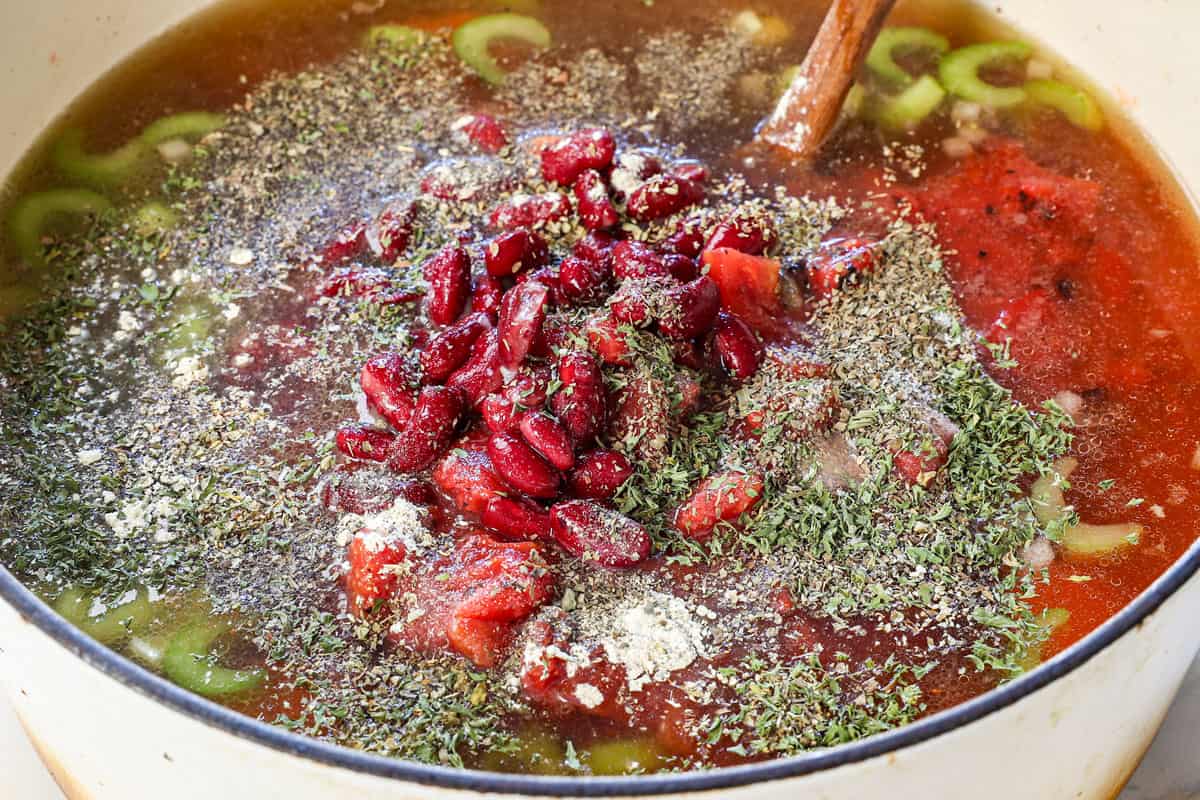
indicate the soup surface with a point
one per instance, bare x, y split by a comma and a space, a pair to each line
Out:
461, 383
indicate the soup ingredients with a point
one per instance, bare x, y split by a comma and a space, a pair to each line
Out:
34, 213
959, 72
189, 660
1075, 104
473, 39
893, 41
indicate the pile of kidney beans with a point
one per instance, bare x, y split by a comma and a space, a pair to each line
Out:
506, 411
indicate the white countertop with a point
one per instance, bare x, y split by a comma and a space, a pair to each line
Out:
1171, 770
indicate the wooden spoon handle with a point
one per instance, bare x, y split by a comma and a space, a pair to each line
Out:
812, 103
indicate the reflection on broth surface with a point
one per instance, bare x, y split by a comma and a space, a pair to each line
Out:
507, 406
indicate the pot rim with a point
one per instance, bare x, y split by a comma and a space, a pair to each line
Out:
34, 611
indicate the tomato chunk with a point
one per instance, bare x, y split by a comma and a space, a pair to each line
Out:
749, 285
718, 498
373, 576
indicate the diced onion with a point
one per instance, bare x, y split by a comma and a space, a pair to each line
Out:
965, 111
1038, 554
175, 151
1037, 69
1071, 403
957, 147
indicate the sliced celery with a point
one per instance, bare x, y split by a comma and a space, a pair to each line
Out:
856, 98
101, 170
154, 218
109, 625
959, 71
1046, 494
908, 109
188, 661
190, 125
1080, 538
1083, 539
473, 39
1050, 620
34, 212
1075, 104
398, 37
882, 57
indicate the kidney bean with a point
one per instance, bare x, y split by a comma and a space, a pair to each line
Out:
482, 130
364, 442
598, 475
516, 519
515, 251
690, 309
389, 233
530, 211
548, 438
563, 161
661, 196
429, 430
481, 374
451, 348
521, 468
746, 231
385, 382
596, 210
522, 312
738, 349
637, 260
598, 535
449, 276
580, 402
486, 292
582, 281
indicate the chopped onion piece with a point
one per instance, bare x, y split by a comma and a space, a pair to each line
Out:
1071, 403
957, 147
1038, 554
175, 151
1037, 69
966, 111
973, 133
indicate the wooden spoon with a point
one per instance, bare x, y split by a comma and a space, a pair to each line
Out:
812, 103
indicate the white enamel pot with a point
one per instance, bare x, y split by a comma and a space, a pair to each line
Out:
1074, 728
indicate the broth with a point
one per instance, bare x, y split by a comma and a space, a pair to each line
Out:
169, 417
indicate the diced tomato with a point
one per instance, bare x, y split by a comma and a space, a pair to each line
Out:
467, 476
749, 284
839, 261
593, 685
504, 581
718, 498
372, 577
480, 640
1020, 318
920, 468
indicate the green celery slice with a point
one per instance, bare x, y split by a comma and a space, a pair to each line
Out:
100, 170
1074, 103
114, 624
881, 58
472, 39
189, 662
399, 37
186, 125
33, 212
959, 71
908, 109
